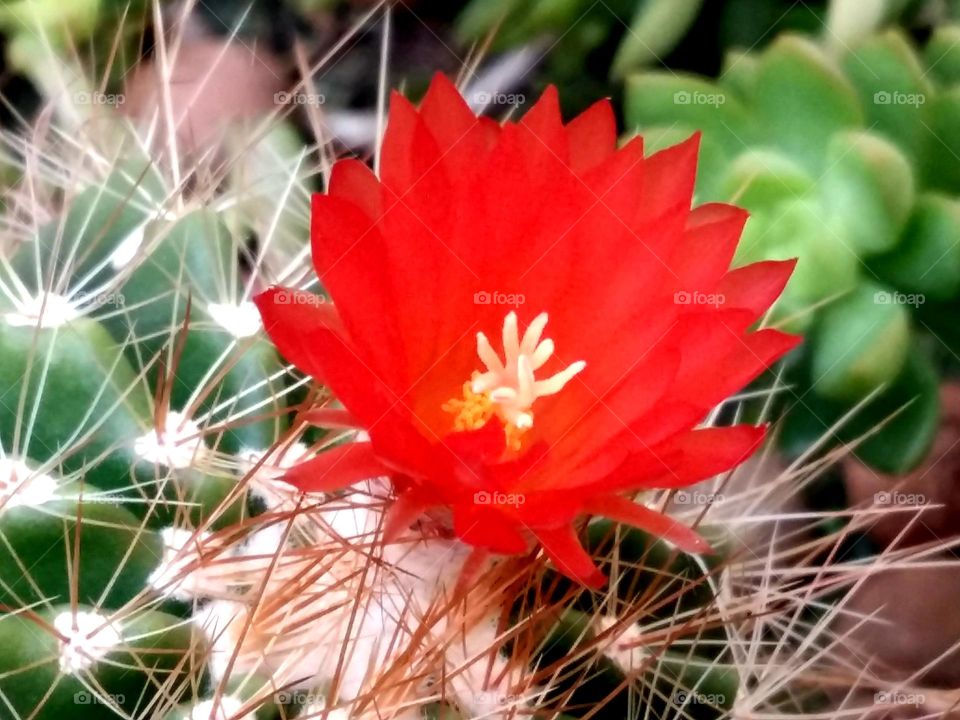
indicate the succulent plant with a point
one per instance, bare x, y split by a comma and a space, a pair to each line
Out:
844, 160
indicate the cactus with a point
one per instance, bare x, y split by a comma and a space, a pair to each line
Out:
154, 562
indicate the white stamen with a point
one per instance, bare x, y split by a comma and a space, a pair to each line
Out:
543, 353
487, 354
511, 341
534, 331
511, 383
554, 384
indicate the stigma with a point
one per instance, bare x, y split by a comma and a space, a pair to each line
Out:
509, 387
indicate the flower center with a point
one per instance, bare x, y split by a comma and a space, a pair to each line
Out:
509, 387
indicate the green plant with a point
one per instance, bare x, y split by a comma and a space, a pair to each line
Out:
846, 163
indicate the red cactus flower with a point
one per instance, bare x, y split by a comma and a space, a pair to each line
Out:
529, 324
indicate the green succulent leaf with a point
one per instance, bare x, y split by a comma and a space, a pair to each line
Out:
656, 28
827, 265
802, 99
861, 343
893, 90
912, 411
761, 178
901, 423
927, 260
849, 20
62, 22
739, 73
942, 54
868, 189
660, 99
942, 135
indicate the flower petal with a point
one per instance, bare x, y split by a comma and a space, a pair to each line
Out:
337, 468
563, 547
592, 136
293, 319
657, 524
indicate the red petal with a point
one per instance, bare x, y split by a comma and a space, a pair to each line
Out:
546, 123
756, 353
706, 250
684, 460
408, 149
330, 417
354, 181
483, 527
403, 512
563, 547
485, 445
592, 136
587, 444
657, 524
470, 572
756, 287
670, 176
336, 468
384, 415
710, 451
445, 113
293, 320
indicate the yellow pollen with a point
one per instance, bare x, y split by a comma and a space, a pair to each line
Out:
475, 410
472, 412
508, 387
